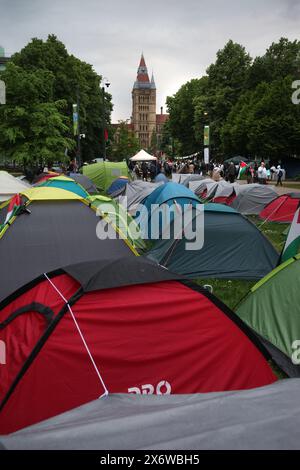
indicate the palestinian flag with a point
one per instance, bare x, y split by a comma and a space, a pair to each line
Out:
13, 206
243, 167
293, 240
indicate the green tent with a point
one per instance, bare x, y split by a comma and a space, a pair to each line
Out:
104, 173
272, 310
119, 218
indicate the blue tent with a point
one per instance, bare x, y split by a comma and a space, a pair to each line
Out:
161, 178
68, 184
170, 194
233, 248
117, 185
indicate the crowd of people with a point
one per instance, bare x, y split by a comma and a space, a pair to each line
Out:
254, 172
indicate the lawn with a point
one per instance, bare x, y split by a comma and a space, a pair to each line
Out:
232, 292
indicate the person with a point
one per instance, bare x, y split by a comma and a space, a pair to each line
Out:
250, 174
273, 172
145, 171
262, 174
191, 168
279, 176
137, 170
72, 168
231, 173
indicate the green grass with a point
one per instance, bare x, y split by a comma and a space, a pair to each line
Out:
231, 292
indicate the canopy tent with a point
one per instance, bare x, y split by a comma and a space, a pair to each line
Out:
170, 194
142, 156
282, 209
53, 227
117, 215
251, 199
102, 174
266, 418
85, 182
63, 182
233, 248
117, 185
9, 186
137, 323
135, 193
272, 310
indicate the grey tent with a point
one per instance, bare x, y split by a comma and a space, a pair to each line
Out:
266, 418
251, 199
85, 182
191, 178
234, 248
134, 193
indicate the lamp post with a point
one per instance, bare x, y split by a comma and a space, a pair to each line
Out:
206, 139
106, 84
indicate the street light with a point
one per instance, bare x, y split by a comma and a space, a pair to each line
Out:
106, 84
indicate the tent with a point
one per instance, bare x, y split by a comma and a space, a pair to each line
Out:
272, 310
236, 160
117, 185
134, 193
216, 191
102, 174
118, 326
63, 182
119, 218
142, 156
170, 194
85, 182
251, 199
233, 248
9, 186
53, 227
266, 418
44, 176
161, 178
282, 209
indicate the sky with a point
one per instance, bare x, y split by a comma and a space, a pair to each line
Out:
179, 39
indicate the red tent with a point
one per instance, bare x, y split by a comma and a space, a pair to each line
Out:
282, 209
125, 326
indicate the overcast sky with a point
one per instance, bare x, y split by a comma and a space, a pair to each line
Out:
179, 38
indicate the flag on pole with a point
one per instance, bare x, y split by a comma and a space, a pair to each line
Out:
105, 135
293, 240
243, 167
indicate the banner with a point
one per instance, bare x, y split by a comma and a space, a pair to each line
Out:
206, 136
206, 156
75, 119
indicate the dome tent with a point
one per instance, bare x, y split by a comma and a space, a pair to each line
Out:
234, 248
9, 186
272, 310
63, 182
52, 227
102, 174
251, 199
85, 182
113, 327
282, 209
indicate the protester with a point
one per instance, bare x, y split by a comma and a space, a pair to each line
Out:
262, 174
279, 176
231, 173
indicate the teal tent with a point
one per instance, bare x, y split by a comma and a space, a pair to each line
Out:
233, 248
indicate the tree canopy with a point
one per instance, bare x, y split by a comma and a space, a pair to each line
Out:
43, 81
246, 102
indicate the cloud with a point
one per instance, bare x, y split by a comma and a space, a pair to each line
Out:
179, 39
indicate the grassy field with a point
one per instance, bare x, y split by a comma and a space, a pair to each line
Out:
232, 292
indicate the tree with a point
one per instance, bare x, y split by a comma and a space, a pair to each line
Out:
33, 127
181, 108
124, 144
256, 126
70, 77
